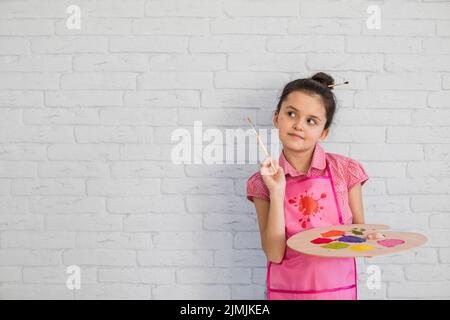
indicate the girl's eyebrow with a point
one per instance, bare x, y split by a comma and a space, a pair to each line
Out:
313, 116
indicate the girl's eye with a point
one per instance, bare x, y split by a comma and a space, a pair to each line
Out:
290, 112
314, 121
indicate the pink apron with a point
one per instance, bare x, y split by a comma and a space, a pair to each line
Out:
311, 203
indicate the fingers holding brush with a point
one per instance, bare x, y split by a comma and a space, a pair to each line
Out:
269, 167
274, 179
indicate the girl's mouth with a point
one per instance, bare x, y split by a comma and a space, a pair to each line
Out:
295, 136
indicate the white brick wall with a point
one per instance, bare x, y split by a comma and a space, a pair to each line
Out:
86, 118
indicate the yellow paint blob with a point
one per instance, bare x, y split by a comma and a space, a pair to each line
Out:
361, 247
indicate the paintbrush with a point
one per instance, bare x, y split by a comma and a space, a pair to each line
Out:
261, 143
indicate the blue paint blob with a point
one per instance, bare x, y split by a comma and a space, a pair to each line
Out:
351, 239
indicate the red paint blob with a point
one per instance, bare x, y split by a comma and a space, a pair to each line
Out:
321, 240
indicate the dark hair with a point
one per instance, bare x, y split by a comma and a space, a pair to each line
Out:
317, 84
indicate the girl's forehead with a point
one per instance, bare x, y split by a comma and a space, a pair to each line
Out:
312, 104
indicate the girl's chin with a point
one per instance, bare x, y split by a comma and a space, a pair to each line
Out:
294, 145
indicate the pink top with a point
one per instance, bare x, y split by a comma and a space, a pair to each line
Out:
345, 172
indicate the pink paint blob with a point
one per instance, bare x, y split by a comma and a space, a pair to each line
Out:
390, 242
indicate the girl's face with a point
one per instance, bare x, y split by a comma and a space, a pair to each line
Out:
301, 121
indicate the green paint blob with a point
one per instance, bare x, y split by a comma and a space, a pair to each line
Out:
358, 232
335, 245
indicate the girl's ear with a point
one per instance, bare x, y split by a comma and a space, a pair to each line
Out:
275, 119
324, 134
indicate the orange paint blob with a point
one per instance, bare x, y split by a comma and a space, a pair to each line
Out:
333, 233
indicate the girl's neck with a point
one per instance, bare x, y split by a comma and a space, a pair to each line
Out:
301, 161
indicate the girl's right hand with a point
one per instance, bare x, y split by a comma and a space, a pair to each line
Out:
274, 180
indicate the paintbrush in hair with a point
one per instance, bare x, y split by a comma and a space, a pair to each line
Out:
334, 85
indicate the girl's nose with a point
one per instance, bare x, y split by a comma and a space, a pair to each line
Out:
298, 126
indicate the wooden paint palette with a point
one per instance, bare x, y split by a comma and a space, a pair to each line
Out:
354, 240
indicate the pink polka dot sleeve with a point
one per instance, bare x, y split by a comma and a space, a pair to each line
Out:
256, 188
355, 174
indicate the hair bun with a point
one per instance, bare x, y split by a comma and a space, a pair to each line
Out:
324, 79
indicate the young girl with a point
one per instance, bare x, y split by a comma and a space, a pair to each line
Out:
310, 188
